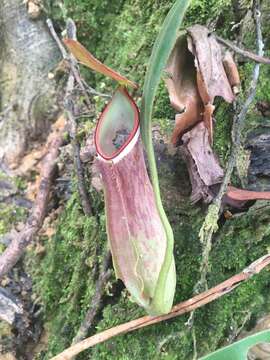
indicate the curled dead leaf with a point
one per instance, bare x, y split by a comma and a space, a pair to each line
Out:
182, 88
208, 61
212, 80
197, 142
231, 72
195, 76
203, 166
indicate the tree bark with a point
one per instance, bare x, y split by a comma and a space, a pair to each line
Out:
27, 101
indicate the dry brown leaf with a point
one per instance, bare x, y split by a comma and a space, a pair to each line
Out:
49, 231
197, 142
195, 76
207, 53
246, 195
199, 191
238, 198
182, 88
231, 72
34, 8
203, 166
29, 161
32, 188
212, 80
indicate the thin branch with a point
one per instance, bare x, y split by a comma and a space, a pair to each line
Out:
239, 120
86, 205
184, 307
209, 226
57, 40
69, 58
96, 300
246, 53
95, 92
69, 109
34, 222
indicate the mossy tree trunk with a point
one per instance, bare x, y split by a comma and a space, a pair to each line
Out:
27, 100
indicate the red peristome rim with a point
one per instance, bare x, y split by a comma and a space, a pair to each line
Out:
124, 91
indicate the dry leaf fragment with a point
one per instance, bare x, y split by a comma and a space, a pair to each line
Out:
246, 195
196, 75
231, 72
182, 88
212, 80
238, 198
197, 142
208, 62
203, 166
34, 8
199, 190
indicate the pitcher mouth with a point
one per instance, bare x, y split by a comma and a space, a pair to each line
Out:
117, 126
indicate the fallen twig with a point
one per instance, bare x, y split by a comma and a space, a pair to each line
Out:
84, 196
96, 300
184, 307
209, 226
246, 53
95, 92
34, 222
72, 62
74, 75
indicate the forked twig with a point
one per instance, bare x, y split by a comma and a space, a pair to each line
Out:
72, 62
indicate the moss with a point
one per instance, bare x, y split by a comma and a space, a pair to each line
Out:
9, 216
240, 241
121, 33
233, 250
65, 278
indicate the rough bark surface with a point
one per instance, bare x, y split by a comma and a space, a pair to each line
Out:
27, 55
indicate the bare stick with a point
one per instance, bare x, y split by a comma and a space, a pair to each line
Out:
96, 302
69, 109
246, 53
84, 196
34, 222
209, 226
71, 60
184, 307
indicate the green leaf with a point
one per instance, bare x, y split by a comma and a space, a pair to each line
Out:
239, 349
161, 51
